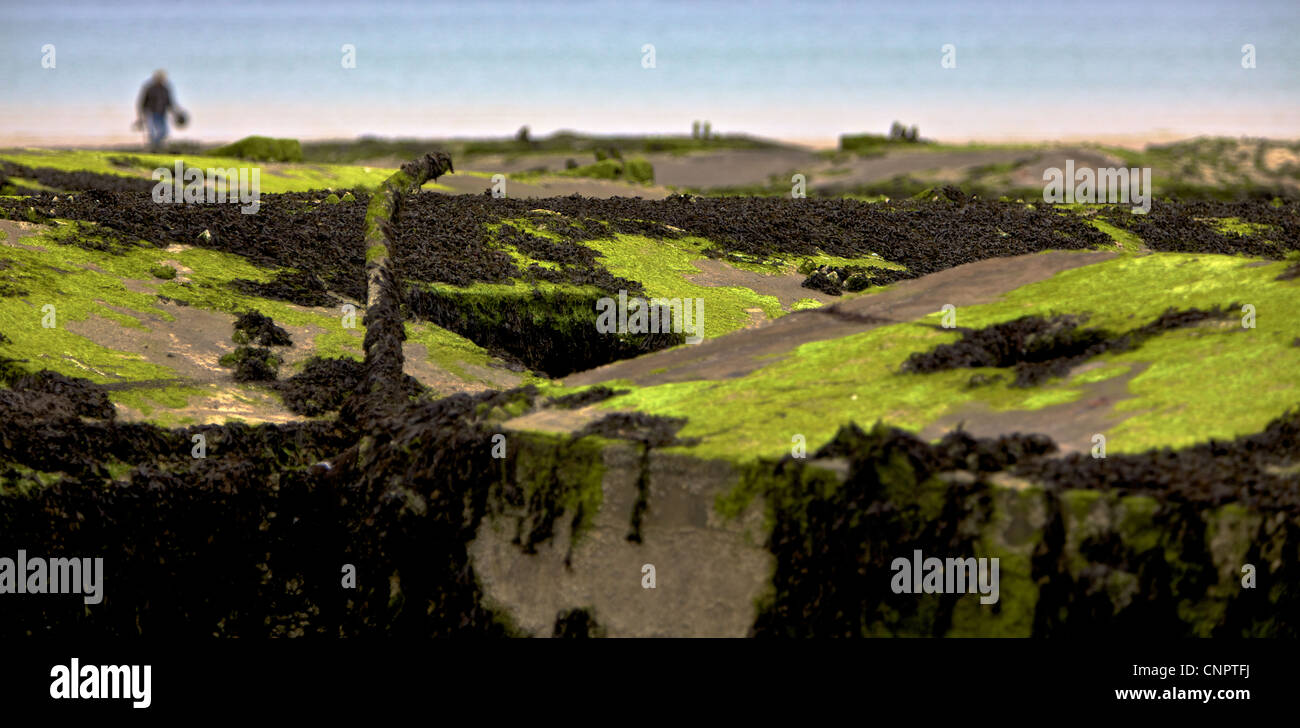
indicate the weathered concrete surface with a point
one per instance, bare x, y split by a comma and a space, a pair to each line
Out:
708, 571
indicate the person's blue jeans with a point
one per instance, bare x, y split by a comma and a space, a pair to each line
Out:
156, 125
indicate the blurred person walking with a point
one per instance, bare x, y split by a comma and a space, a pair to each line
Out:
152, 107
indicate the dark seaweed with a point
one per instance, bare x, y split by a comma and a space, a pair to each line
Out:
576, 624
70, 395
652, 430
260, 330
253, 364
1042, 348
834, 550
585, 397
324, 384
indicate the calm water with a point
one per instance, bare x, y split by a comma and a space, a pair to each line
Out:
792, 70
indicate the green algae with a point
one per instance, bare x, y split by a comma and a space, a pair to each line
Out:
147, 400
1011, 533
556, 476
521, 259
1248, 376
85, 284
548, 327
807, 264
1177, 562
822, 385
447, 349
1101, 374
662, 268
487, 299
1128, 242
455, 353
88, 283
834, 549
663, 265
792, 264
812, 390
637, 170
262, 149
209, 288
273, 178
1237, 226
1137, 517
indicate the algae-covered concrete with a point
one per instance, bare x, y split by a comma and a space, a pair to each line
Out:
1069, 561
692, 572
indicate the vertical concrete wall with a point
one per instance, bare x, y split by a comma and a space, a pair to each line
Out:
708, 572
